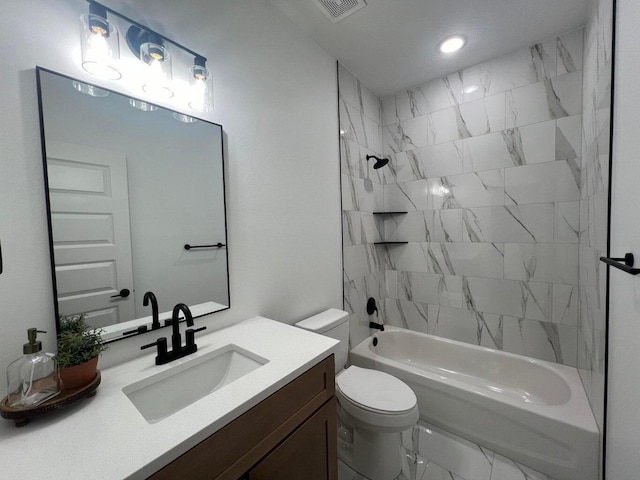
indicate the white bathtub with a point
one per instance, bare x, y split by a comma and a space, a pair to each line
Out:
531, 411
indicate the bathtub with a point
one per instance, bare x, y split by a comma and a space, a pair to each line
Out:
531, 411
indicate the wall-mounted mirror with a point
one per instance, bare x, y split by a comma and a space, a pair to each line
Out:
129, 187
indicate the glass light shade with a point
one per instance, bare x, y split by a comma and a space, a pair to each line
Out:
90, 90
184, 118
200, 88
100, 47
158, 74
144, 106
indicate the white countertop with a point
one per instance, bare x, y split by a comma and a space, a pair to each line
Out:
105, 437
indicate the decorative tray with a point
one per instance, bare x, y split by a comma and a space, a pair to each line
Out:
21, 416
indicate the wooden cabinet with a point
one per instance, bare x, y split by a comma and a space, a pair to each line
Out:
289, 435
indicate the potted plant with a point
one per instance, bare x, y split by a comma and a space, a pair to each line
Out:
78, 348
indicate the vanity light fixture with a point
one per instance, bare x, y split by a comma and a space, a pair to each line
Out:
452, 44
101, 54
201, 86
99, 43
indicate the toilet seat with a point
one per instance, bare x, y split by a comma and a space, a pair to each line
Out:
376, 391
376, 399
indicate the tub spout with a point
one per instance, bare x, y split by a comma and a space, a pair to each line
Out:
377, 326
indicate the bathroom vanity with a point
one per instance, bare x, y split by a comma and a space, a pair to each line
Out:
274, 420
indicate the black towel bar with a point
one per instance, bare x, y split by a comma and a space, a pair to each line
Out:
217, 245
626, 266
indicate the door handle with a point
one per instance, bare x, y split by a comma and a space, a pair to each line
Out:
124, 293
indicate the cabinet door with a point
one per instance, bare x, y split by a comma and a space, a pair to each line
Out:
309, 453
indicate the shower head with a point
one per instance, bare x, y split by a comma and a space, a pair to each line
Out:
380, 162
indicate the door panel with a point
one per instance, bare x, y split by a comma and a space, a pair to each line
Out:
91, 232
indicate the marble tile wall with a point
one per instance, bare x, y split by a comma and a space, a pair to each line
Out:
362, 194
488, 164
596, 130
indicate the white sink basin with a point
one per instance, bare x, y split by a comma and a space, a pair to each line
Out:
161, 395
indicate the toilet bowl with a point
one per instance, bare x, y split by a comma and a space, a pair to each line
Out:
374, 408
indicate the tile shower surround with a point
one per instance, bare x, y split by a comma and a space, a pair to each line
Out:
492, 183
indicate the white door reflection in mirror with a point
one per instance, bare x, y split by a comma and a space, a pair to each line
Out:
91, 235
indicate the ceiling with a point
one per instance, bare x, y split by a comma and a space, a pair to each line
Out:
391, 45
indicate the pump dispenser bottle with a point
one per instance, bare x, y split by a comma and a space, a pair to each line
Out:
32, 378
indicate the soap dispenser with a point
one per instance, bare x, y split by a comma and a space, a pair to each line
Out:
32, 378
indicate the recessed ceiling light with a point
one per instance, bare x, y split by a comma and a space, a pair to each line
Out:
452, 44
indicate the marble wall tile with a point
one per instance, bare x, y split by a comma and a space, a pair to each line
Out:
467, 259
470, 259
522, 67
406, 196
391, 283
506, 297
389, 110
569, 48
453, 323
360, 261
550, 99
406, 135
410, 227
353, 297
445, 126
566, 224
545, 182
481, 116
510, 147
546, 341
477, 189
565, 304
430, 288
351, 228
370, 104
551, 263
348, 189
406, 314
512, 223
404, 167
447, 225
352, 123
569, 137
348, 86
443, 159
372, 229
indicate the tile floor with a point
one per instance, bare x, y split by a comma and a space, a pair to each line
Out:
444, 456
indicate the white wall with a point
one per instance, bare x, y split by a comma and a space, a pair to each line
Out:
276, 96
623, 412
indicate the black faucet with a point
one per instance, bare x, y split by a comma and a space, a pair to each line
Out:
149, 296
177, 349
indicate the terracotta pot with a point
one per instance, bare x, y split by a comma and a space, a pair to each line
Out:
79, 375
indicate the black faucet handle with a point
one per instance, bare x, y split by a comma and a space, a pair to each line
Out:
190, 334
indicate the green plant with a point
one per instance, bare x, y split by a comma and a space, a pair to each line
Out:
77, 341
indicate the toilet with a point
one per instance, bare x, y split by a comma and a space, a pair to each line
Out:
374, 408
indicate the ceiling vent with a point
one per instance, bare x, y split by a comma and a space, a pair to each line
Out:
338, 10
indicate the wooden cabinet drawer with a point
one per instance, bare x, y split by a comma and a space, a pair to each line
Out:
235, 448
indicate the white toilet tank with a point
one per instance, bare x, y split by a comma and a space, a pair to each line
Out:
331, 323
